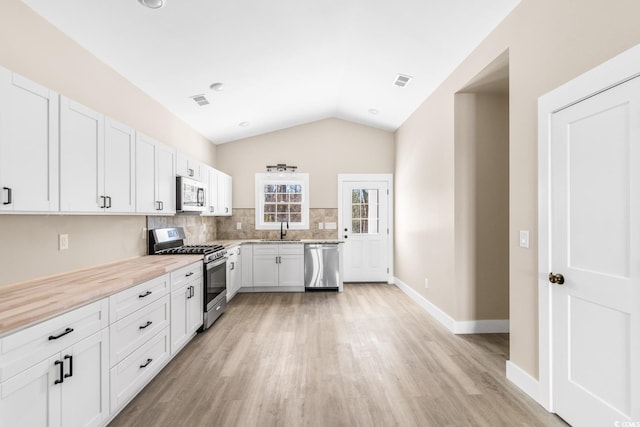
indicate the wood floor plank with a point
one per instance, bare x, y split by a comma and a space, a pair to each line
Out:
366, 357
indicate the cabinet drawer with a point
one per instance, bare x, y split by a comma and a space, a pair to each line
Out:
291, 249
265, 249
29, 346
130, 375
187, 274
134, 330
126, 302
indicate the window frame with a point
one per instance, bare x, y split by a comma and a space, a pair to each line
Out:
262, 179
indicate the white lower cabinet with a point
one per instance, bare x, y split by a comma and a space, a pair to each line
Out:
278, 265
69, 387
186, 304
234, 271
82, 367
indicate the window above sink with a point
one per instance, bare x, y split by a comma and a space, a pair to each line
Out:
282, 199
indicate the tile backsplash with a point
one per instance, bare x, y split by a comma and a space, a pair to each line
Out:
227, 226
198, 229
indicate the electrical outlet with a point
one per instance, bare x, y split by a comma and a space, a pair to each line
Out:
524, 238
238, 226
426, 283
63, 242
330, 226
144, 233
321, 226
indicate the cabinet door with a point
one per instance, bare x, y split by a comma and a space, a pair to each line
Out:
291, 271
233, 274
195, 310
213, 208
32, 398
81, 148
146, 172
265, 267
186, 166
246, 253
179, 330
166, 167
224, 194
85, 390
28, 145
228, 195
119, 167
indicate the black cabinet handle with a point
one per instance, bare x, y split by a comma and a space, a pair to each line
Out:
70, 374
158, 206
109, 200
144, 365
55, 337
9, 196
149, 322
104, 202
60, 380
189, 274
146, 294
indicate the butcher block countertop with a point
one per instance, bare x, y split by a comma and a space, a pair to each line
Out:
26, 303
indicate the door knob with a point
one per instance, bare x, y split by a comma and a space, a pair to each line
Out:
558, 279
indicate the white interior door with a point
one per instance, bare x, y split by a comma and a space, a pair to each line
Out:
364, 227
595, 238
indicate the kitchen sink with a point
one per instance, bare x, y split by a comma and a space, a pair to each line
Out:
279, 240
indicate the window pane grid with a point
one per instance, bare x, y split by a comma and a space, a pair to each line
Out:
365, 211
282, 203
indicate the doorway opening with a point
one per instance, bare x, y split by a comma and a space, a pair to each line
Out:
482, 198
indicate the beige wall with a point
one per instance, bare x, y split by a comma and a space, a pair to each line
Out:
549, 43
323, 149
32, 47
482, 206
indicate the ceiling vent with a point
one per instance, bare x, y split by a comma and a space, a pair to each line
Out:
402, 80
200, 100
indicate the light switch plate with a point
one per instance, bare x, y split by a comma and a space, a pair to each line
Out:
238, 226
321, 226
524, 239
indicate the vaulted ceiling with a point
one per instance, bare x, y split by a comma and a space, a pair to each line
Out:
281, 63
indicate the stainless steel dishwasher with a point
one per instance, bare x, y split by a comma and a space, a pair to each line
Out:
321, 266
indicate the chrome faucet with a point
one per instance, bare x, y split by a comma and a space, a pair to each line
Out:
283, 232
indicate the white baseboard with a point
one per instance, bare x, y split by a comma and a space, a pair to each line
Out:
430, 308
457, 327
524, 381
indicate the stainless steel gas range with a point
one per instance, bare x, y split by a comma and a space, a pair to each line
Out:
170, 241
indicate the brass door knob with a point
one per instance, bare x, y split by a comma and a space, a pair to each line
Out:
557, 279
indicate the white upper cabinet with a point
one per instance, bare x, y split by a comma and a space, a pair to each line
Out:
28, 145
186, 166
225, 193
219, 196
119, 167
211, 179
155, 176
97, 161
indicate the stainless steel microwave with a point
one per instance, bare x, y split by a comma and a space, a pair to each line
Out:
190, 195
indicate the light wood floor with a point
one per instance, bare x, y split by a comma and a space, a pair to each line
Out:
367, 357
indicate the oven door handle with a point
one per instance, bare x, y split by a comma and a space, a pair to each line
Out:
216, 263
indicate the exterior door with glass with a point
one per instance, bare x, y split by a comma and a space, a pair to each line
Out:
364, 227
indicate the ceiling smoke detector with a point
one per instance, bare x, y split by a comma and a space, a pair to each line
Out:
200, 100
402, 80
152, 4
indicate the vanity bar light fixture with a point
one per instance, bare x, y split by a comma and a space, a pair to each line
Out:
282, 168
